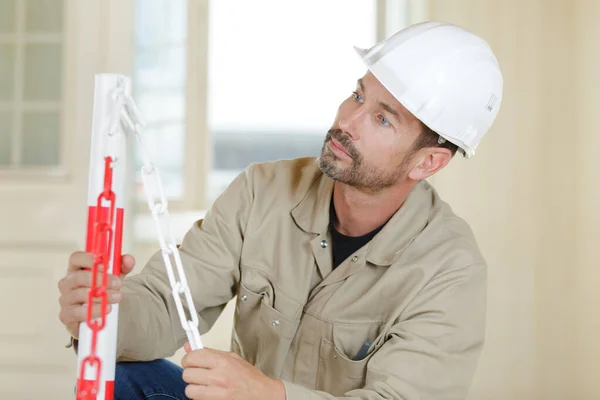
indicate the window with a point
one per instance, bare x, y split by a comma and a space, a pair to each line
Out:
277, 73
265, 77
159, 88
31, 61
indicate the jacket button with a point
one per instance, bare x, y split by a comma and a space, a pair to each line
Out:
244, 298
275, 323
323, 243
354, 259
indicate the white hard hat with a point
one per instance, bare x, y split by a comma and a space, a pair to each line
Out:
444, 75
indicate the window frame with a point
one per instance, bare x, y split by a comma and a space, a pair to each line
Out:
197, 147
20, 38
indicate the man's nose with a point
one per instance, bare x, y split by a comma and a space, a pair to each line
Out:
350, 124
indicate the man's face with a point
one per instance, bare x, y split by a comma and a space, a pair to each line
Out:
369, 144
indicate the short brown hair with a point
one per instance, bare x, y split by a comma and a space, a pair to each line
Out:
428, 138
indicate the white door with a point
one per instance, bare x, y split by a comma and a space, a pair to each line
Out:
49, 53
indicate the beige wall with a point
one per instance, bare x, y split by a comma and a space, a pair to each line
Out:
531, 197
586, 266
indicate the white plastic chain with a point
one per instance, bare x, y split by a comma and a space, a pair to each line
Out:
113, 129
158, 205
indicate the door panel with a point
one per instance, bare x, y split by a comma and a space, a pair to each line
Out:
29, 338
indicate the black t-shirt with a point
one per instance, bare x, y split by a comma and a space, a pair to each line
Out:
344, 246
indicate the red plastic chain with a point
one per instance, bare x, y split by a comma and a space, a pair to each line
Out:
103, 240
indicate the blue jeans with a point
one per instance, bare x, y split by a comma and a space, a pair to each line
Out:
154, 380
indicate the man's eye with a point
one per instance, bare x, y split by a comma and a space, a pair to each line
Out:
357, 97
383, 120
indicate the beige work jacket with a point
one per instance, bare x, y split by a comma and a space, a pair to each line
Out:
416, 292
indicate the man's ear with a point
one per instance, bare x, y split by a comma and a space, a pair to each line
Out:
428, 161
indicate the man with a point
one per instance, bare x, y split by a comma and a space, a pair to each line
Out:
353, 278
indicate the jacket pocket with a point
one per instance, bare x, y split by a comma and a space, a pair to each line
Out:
246, 322
262, 335
338, 374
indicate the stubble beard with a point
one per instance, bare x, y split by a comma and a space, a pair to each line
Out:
359, 173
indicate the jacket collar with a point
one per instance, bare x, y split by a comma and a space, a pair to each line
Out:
311, 214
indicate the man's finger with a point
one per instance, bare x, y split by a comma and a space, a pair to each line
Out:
80, 296
201, 358
127, 264
205, 392
206, 377
79, 313
75, 279
79, 260
83, 278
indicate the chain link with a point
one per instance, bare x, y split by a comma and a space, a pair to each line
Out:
158, 206
102, 249
114, 129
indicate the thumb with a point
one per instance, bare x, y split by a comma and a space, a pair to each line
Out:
127, 264
187, 347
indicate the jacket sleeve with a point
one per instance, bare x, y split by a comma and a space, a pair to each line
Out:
432, 351
149, 325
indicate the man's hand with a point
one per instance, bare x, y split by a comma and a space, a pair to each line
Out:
218, 375
75, 286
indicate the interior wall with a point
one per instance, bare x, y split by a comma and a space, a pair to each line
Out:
495, 192
586, 266
555, 307
530, 198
